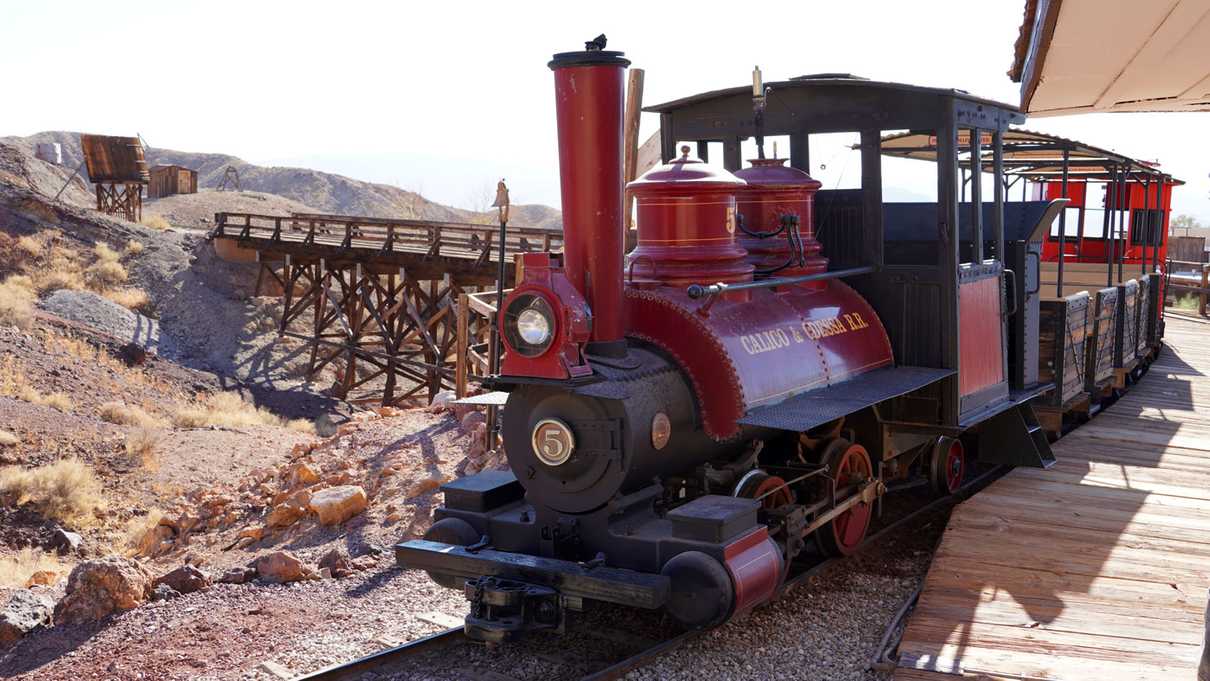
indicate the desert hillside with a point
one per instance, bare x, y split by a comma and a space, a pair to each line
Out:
323, 192
178, 499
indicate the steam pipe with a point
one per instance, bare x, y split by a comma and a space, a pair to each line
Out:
590, 97
696, 291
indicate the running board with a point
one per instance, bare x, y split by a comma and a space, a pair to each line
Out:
1015, 437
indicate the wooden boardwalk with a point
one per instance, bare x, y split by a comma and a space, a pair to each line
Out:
1096, 569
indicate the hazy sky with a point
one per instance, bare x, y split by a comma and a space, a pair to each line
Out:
445, 97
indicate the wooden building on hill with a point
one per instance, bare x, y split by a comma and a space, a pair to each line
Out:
117, 168
171, 179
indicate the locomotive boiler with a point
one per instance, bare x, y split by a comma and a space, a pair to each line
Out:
685, 420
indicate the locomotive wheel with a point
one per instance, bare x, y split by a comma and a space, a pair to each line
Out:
454, 531
848, 464
947, 465
757, 484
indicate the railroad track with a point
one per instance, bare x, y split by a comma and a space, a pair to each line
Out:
595, 648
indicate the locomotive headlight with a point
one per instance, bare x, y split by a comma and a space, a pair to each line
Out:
529, 325
533, 327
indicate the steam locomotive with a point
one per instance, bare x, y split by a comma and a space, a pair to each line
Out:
687, 421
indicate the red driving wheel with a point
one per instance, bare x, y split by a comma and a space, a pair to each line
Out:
758, 483
849, 466
947, 465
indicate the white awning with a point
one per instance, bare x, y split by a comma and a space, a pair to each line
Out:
1081, 56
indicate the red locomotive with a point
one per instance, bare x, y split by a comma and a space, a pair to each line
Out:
687, 421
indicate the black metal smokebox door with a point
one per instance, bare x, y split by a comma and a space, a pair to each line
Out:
599, 444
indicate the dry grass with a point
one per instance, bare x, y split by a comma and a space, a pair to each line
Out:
105, 274
133, 248
143, 446
13, 383
128, 415
16, 570
7, 439
104, 253
16, 303
155, 222
22, 281
66, 490
55, 279
301, 426
131, 299
31, 247
227, 410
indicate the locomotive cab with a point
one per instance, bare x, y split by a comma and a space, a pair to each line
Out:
687, 423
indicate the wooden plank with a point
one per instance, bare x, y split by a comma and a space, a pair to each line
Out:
1096, 568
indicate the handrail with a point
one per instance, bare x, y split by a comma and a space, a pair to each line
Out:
696, 291
383, 235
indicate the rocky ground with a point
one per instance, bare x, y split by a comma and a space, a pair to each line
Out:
167, 479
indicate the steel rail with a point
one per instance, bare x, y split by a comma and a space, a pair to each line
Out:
392, 657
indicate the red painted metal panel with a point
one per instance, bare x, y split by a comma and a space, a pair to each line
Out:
1095, 249
755, 564
589, 102
741, 355
981, 347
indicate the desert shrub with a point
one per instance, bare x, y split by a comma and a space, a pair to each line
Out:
133, 248
14, 384
104, 253
228, 410
1187, 302
60, 401
301, 426
127, 415
15, 570
66, 490
131, 299
31, 247
54, 279
16, 304
21, 281
7, 439
105, 274
142, 446
155, 222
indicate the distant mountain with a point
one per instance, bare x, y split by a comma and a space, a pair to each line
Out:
327, 192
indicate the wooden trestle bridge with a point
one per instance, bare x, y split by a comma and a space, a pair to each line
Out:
388, 300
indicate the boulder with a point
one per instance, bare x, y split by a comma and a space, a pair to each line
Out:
302, 475
472, 419
335, 505
163, 592
25, 612
185, 580
336, 562
155, 541
97, 588
441, 401
290, 510
283, 515
281, 567
65, 542
238, 575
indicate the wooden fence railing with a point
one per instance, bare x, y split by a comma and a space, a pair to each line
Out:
1199, 269
448, 239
